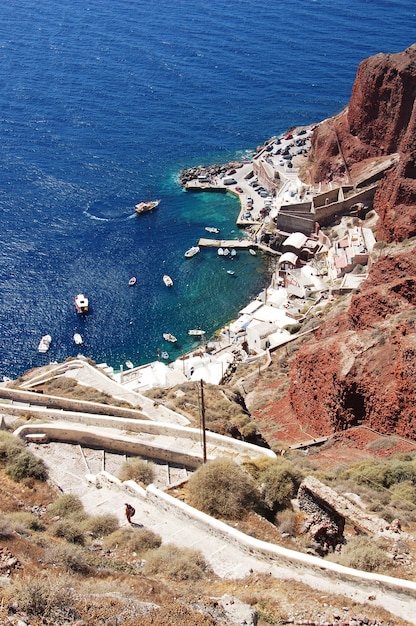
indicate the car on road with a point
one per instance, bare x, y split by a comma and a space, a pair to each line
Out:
239, 190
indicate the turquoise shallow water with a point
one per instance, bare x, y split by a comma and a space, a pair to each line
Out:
101, 101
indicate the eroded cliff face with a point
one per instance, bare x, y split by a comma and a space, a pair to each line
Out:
379, 120
361, 366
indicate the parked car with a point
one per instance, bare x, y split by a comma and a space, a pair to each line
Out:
288, 136
239, 190
301, 132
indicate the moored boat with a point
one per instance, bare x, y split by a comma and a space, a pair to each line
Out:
196, 332
78, 339
212, 229
44, 343
192, 252
226, 251
129, 364
81, 303
164, 355
132, 281
252, 252
167, 280
144, 207
220, 251
169, 337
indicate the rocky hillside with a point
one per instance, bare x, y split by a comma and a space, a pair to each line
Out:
379, 120
360, 367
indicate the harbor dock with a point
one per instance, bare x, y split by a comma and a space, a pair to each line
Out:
236, 243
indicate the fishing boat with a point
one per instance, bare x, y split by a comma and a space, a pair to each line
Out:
212, 229
169, 337
44, 343
192, 252
196, 332
81, 303
78, 339
167, 280
144, 207
252, 252
132, 281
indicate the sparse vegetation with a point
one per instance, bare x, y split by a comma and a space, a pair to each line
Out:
47, 597
176, 563
222, 489
280, 482
72, 558
359, 553
100, 525
25, 466
69, 530
68, 506
138, 470
139, 540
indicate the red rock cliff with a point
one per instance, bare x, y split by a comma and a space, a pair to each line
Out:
380, 120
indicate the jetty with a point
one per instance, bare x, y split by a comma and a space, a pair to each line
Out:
242, 244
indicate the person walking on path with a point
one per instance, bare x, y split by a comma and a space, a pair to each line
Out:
130, 511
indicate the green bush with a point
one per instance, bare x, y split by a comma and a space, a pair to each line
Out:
51, 599
362, 554
280, 482
100, 525
383, 473
10, 446
405, 492
138, 470
221, 488
176, 563
67, 505
25, 465
69, 530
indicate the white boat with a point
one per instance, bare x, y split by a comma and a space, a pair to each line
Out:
192, 252
129, 364
78, 339
196, 332
81, 303
167, 280
164, 355
226, 252
220, 251
233, 252
230, 272
169, 337
252, 252
212, 229
44, 343
132, 281
144, 207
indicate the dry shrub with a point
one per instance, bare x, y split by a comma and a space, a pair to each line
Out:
176, 563
404, 492
100, 525
138, 470
362, 554
6, 527
10, 446
72, 558
51, 599
69, 530
222, 489
280, 482
24, 521
68, 506
138, 540
287, 522
26, 465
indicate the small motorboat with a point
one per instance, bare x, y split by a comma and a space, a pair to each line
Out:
226, 252
230, 272
164, 355
252, 252
192, 252
78, 339
44, 343
220, 251
212, 229
196, 332
81, 303
167, 280
144, 207
132, 281
129, 364
169, 337
233, 252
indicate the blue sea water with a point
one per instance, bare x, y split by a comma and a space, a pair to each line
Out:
103, 100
